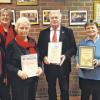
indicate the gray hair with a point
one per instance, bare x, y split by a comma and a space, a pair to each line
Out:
20, 21
9, 11
55, 12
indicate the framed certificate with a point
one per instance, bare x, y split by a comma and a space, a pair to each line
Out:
54, 52
86, 56
97, 11
29, 64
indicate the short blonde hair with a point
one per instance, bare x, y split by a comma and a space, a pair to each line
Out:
20, 21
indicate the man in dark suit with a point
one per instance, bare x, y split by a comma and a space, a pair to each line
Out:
54, 71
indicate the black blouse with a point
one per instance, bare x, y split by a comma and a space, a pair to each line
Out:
13, 57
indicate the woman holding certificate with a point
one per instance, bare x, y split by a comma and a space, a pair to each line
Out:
88, 62
22, 64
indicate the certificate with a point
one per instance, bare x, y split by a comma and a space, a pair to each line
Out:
86, 56
54, 52
29, 64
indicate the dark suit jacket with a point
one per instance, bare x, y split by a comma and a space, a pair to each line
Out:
13, 57
68, 45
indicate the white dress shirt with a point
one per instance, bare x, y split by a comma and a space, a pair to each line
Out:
52, 32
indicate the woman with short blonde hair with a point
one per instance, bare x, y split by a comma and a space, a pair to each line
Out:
23, 85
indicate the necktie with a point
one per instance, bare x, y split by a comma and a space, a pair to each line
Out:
0, 63
54, 39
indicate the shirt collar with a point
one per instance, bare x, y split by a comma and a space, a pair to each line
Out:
88, 38
58, 29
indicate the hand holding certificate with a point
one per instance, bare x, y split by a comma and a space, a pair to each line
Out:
86, 57
29, 64
54, 52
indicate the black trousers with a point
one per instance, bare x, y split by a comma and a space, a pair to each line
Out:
4, 93
24, 89
52, 74
89, 87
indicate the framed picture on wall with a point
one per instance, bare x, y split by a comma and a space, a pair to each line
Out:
78, 17
13, 17
5, 1
46, 20
27, 2
97, 12
31, 14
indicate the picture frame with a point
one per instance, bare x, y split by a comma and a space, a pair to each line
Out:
78, 17
97, 12
86, 57
27, 2
5, 1
13, 17
31, 14
46, 20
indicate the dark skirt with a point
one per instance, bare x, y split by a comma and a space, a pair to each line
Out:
24, 89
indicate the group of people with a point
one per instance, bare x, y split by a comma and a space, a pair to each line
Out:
15, 42
15, 84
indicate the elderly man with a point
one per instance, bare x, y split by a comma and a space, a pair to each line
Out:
61, 69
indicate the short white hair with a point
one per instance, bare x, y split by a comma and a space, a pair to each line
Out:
21, 20
55, 12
